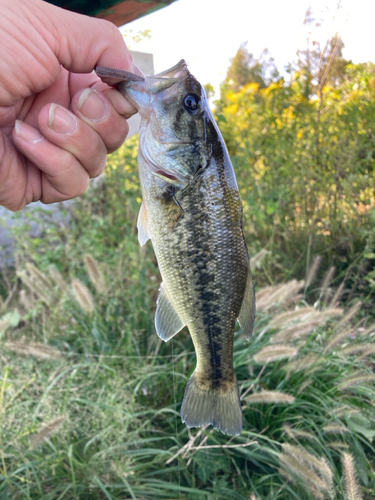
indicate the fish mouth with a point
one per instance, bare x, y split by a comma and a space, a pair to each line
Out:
180, 67
167, 175
174, 142
113, 76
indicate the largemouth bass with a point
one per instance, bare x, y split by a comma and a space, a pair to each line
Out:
192, 212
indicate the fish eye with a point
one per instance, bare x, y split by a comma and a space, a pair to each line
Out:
191, 103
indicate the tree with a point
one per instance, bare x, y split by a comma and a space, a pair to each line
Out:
209, 89
321, 64
244, 69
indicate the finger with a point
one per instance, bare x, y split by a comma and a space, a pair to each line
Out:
96, 110
79, 82
121, 105
65, 130
13, 178
61, 175
91, 42
38, 38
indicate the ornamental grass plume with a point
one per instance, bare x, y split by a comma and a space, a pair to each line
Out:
293, 433
337, 338
324, 289
307, 324
34, 349
338, 445
352, 489
274, 353
36, 287
312, 271
273, 397
304, 385
336, 297
316, 466
277, 295
285, 474
286, 293
349, 315
25, 300
294, 332
256, 260
319, 464
264, 298
310, 478
363, 350
347, 330
343, 411
58, 279
288, 317
331, 312
370, 330
38, 277
356, 379
83, 296
335, 428
96, 276
302, 363
46, 432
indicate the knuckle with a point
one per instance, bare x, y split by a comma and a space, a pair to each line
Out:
97, 160
117, 135
99, 170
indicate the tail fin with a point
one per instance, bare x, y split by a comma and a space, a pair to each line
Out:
220, 407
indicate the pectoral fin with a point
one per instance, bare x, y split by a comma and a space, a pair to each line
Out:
167, 321
247, 314
142, 225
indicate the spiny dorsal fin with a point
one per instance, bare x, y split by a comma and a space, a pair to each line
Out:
142, 225
167, 321
246, 317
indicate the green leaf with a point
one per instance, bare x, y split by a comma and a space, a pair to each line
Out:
12, 318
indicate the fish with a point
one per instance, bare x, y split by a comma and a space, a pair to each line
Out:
192, 213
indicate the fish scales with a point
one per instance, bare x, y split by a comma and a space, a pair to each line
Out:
192, 211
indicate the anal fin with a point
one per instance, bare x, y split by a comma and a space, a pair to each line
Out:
246, 317
167, 321
142, 225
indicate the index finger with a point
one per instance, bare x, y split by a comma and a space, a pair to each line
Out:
91, 42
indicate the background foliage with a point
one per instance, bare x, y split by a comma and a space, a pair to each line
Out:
303, 151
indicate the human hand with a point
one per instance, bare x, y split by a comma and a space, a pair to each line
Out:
48, 153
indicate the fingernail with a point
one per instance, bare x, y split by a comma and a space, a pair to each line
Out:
28, 133
61, 120
92, 105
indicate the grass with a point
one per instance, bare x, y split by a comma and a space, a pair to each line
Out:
90, 398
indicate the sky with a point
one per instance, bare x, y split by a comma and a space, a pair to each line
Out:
208, 33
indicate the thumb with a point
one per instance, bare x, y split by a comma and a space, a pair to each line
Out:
81, 43
38, 38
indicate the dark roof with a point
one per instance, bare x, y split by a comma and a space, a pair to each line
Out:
118, 11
